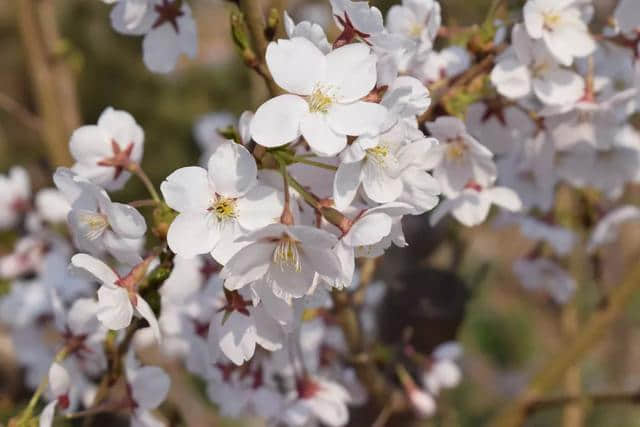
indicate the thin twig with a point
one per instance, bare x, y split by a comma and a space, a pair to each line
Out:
24, 116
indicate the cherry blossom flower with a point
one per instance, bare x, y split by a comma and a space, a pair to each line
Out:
320, 399
529, 66
103, 151
118, 297
542, 274
310, 31
15, 196
97, 223
218, 206
416, 19
471, 205
459, 157
324, 104
289, 257
560, 25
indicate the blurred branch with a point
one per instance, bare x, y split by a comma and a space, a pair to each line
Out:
255, 20
20, 113
602, 398
51, 77
553, 372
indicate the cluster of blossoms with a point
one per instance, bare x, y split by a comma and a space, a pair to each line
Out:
258, 240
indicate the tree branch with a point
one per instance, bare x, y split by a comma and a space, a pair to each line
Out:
553, 372
20, 113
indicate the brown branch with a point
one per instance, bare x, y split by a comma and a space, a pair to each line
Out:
553, 372
51, 78
20, 113
601, 398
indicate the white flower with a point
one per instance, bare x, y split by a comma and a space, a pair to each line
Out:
406, 98
437, 65
559, 238
118, 297
310, 31
148, 387
97, 223
218, 206
471, 206
530, 67
559, 23
51, 205
358, 19
377, 162
59, 384
15, 196
287, 256
325, 106
238, 325
167, 25
608, 228
542, 274
416, 19
530, 170
459, 157
500, 128
27, 257
103, 151
320, 399
423, 403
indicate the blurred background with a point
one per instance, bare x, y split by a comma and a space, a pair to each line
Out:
462, 277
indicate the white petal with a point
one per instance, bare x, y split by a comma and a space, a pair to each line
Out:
261, 206
511, 78
368, 230
114, 308
352, 70
237, 337
125, 220
46, 416
559, 87
505, 197
322, 140
59, 380
187, 190
277, 121
359, 118
143, 308
90, 144
247, 265
232, 169
97, 268
149, 386
296, 65
192, 234
346, 183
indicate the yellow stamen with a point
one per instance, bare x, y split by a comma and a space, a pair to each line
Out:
286, 255
224, 209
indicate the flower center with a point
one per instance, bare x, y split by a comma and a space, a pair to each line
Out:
286, 255
550, 20
415, 30
94, 224
320, 100
456, 150
224, 209
378, 153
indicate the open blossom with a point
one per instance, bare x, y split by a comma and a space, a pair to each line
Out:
102, 151
530, 67
219, 205
238, 325
15, 196
317, 399
459, 157
288, 257
471, 205
167, 25
98, 224
416, 19
324, 104
378, 163
310, 31
118, 297
560, 25
542, 274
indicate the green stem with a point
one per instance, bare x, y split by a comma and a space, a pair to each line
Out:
299, 159
28, 411
136, 169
